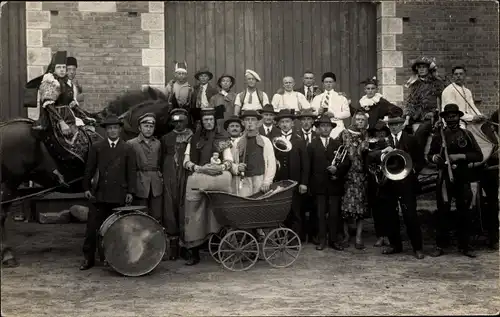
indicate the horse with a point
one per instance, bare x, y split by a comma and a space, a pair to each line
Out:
49, 162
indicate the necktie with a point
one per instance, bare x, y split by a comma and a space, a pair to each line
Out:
112, 145
204, 100
308, 137
250, 98
394, 141
309, 94
325, 142
326, 101
268, 130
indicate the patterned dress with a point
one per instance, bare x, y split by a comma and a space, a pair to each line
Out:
354, 201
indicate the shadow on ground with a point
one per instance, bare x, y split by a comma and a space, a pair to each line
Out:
353, 282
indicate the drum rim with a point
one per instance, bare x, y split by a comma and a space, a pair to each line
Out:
123, 216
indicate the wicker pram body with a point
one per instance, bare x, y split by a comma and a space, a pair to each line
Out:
257, 211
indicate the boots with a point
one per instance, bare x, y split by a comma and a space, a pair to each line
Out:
173, 250
194, 257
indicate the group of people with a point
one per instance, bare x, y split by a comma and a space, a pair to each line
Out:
242, 143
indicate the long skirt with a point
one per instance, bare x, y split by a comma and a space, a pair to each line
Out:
199, 221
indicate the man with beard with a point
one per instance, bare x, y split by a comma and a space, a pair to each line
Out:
293, 165
114, 162
234, 128
402, 191
199, 222
268, 127
462, 149
309, 89
203, 92
174, 145
251, 98
149, 182
255, 163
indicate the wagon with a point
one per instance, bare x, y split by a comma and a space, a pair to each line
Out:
242, 241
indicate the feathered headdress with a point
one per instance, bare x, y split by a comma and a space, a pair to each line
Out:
180, 67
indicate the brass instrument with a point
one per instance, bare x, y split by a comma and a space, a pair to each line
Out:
282, 144
340, 155
396, 165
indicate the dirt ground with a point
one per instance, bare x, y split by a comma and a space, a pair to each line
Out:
48, 283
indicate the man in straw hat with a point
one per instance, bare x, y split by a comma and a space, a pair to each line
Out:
203, 92
268, 127
254, 161
199, 221
251, 98
174, 145
149, 182
463, 149
112, 161
402, 191
333, 102
293, 165
326, 183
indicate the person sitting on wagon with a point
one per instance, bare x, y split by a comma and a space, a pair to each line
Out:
326, 182
462, 149
373, 103
199, 221
255, 163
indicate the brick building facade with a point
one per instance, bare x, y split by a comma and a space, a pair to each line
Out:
120, 45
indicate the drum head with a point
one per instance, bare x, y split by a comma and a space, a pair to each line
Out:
134, 244
128, 208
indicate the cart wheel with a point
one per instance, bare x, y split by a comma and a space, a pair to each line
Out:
281, 247
214, 242
238, 251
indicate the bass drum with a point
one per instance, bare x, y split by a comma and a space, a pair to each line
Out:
132, 241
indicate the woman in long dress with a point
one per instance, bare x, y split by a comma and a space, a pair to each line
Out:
354, 201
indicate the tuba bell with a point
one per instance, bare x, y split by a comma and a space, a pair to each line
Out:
282, 144
396, 165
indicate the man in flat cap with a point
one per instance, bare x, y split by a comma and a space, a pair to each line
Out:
332, 102
175, 175
251, 98
149, 183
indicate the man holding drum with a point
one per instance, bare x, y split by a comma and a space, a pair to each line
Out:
112, 162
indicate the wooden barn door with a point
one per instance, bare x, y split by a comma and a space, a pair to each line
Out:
12, 59
275, 39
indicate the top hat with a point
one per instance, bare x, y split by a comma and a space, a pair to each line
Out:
285, 113
307, 113
59, 58
268, 109
451, 108
203, 70
324, 119
112, 119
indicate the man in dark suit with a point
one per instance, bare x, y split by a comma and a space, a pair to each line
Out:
326, 182
202, 93
309, 89
402, 191
307, 133
293, 165
268, 127
113, 161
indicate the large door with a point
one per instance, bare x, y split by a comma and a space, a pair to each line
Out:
275, 39
12, 59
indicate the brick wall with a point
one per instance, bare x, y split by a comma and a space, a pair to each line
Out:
106, 38
442, 29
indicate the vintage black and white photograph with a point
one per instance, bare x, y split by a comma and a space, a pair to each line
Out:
249, 158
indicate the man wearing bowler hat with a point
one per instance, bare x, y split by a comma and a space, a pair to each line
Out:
149, 181
268, 127
112, 162
462, 149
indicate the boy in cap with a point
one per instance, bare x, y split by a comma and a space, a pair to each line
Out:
463, 149
254, 161
268, 127
174, 145
326, 182
149, 182
203, 92
113, 161
251, 98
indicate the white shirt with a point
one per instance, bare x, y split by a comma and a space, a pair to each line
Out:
324, 141
115, 142
338, 105
267, 129
204, 100
397, 137
255, 105
287, 135
462, 97
290, 100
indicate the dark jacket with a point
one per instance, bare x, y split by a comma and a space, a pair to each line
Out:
116, 171
195, 100
294, 164
316, 91
376, 112
410, 145
275, 132
320, 182
303, 136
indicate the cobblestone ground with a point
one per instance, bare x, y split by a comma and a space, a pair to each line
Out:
48, 283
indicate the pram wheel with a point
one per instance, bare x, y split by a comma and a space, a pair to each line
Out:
214, 242
281, 247
238, 251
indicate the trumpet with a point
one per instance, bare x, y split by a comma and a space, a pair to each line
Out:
340, 155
